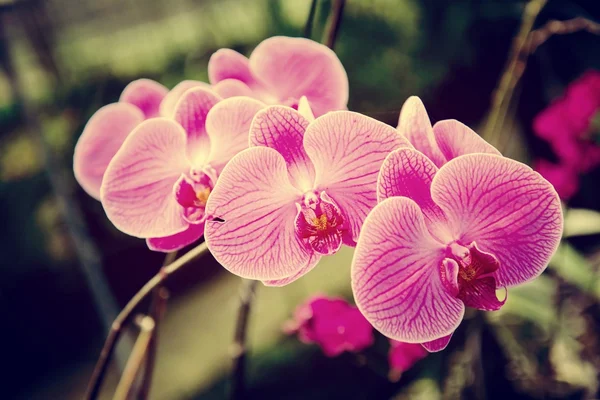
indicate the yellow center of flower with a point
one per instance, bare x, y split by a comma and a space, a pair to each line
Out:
202, 196
320, 223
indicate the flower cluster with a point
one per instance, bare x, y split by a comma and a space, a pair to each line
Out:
571, 124
268, 165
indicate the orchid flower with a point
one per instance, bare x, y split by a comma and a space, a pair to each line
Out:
301, 190
157, 184
333, 324
444, 239
108, 128
281, 70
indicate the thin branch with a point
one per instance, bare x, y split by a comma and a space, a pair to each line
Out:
158, 307
310, 20
125, 315
503, 93
136, 359
335, 20
238, 348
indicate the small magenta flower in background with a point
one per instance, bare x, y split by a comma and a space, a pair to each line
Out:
280, 71
301, 190
442, 239
571, 124
157, 185
333, 324
402, 356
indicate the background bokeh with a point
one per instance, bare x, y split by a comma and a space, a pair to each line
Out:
63, 59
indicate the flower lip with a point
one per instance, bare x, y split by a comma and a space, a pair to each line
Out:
192, 192
320, 223
468, 274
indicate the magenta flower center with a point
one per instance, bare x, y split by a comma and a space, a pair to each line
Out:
320, 223
468, 274
192, 192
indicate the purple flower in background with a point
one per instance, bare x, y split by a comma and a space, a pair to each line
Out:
442, 239
157, 185
333, 324
571, 124
301, 190
281, 70
402, 356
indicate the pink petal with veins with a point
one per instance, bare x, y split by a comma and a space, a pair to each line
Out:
282, 128
455, 139
506, 207
137, 190
250, 218
414, 124
102, 137
347, 150
395, 275
191, 112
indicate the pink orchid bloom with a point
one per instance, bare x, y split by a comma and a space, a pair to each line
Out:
333, 324
402, 356
442, 239
157, 185
281, 70
301, 190
108, 128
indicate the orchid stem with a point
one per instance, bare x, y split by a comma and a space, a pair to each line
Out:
504, 92
337, 11
310, 20
125, 316
160, 295
238, 348
139, 352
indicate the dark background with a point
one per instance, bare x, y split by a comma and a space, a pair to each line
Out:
64, 59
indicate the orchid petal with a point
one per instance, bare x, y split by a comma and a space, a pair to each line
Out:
250, 218
102, 137
414, 124
506, 207
228, 64
282, 128
137, 190
177, 241
227, 126
232, 87
294, 67
312, 262
437, 344
167, 107
191, 112
395, 275
347, 150
145, 94
455, 139
408, 172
